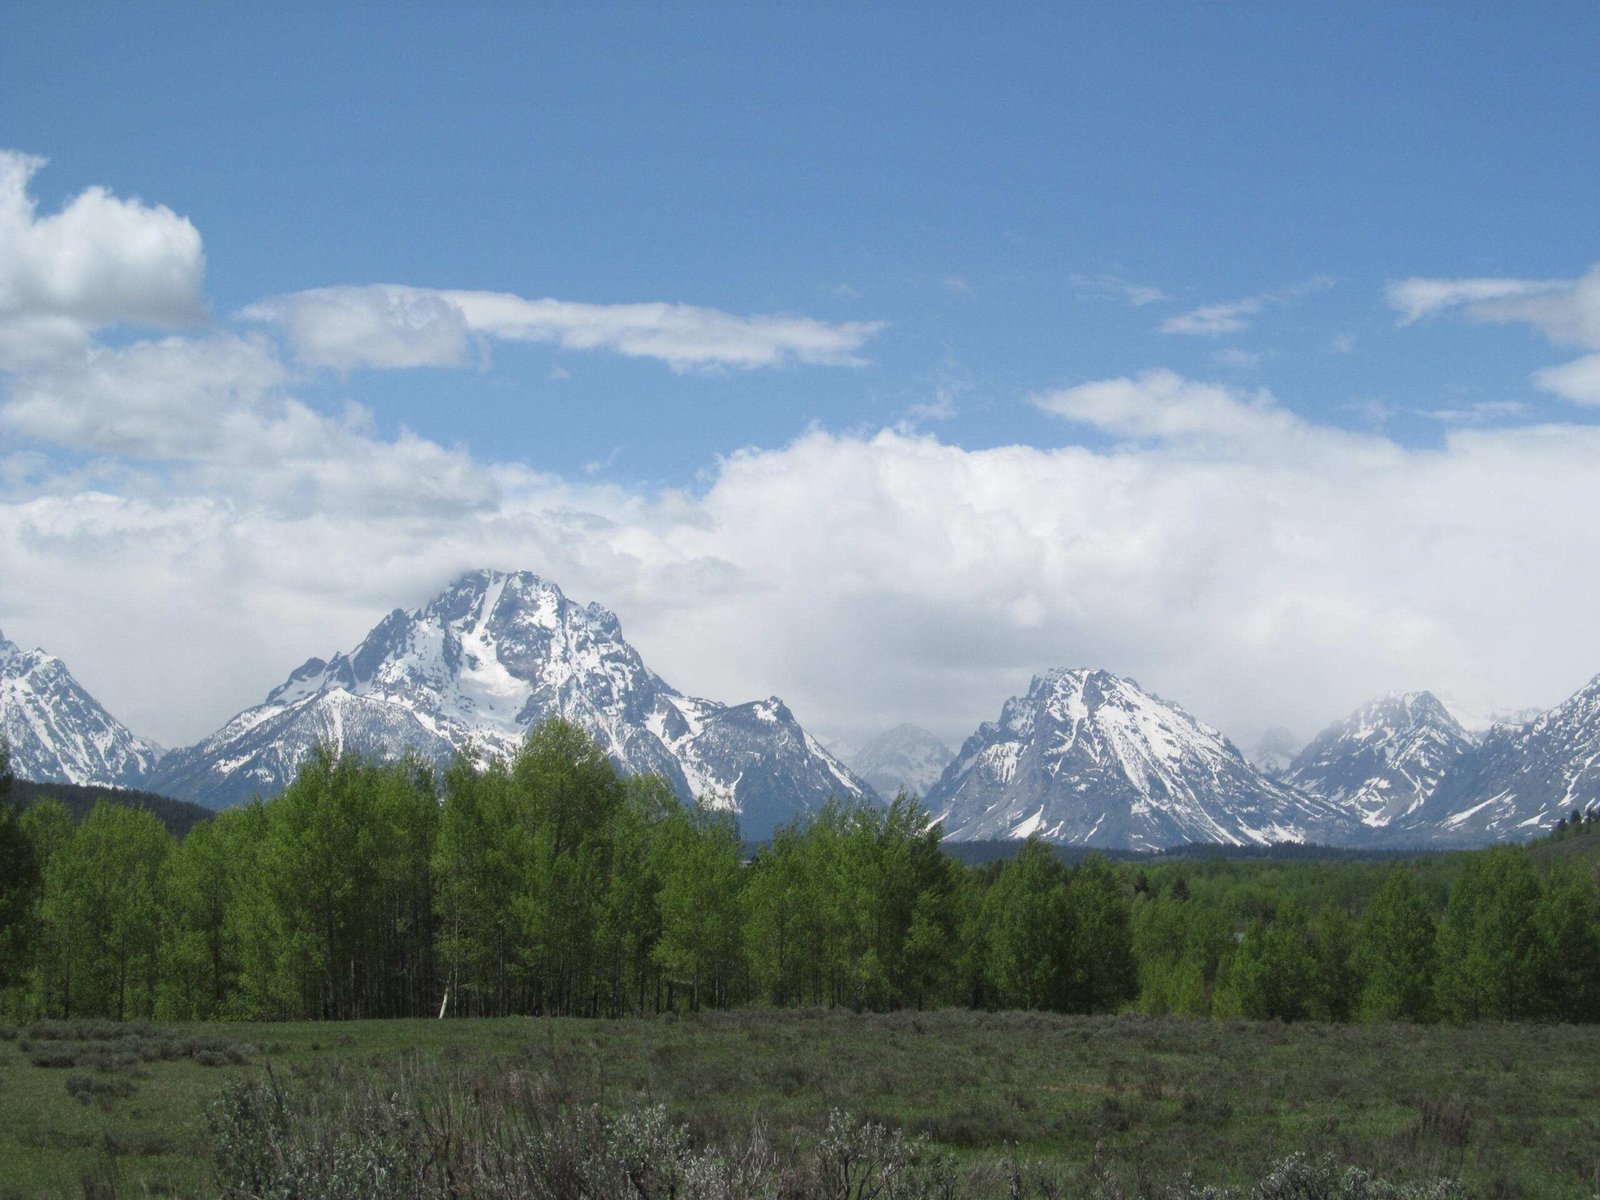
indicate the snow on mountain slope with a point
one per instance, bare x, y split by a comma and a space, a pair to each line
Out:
59, 733
1087, 758
906, 758
1385, 759
481, 664
1519, 781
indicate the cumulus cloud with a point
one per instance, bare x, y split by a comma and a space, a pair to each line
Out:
394, 326
215, 412
381, 325
1258, 568
1163, 406
1566, 311
99, 261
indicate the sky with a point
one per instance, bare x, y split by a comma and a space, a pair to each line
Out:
873, 356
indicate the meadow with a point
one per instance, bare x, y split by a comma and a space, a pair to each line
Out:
1122, 1105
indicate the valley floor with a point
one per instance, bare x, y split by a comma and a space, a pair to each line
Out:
1513, 1110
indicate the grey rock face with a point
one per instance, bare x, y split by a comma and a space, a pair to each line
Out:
1519, 781
906, 758
480, 665
1087, 758
58, 733
1386, 759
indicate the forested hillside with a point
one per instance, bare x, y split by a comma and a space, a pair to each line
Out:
179, 816
551, 884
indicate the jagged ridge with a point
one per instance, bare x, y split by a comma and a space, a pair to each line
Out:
1087, 758
1384, 760
482, 663
57, 732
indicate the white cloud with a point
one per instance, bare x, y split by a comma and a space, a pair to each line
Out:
1210, 320
393, 326
1165, 407
214, 411
1566, 311
1213, 320
1481, 413
1256, 567
99, 261
1414, 299
680, 335
1578, 380
162, 399
1233, 358
381, 325
1114, 287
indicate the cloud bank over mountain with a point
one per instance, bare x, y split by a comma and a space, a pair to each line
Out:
175, 506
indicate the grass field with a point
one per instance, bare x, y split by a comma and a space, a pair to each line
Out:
1511, 1110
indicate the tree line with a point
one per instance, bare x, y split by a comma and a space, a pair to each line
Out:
551, 884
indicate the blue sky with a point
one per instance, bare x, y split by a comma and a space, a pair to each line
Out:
919, 249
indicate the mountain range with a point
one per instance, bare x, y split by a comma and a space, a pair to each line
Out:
1083, 757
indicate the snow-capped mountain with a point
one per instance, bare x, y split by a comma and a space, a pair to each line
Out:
1385, 759
1520, 780
482, 663
1274, 751
1087, 758
58, 733
906, 758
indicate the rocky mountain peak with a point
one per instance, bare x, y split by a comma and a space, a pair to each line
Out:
481, 663
58, 732
906, 759
1385, 759
1088, 757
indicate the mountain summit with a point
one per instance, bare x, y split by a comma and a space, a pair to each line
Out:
481, 664
58, 732
906, 759
1088, 758
1385, 759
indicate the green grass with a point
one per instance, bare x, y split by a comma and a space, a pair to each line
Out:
1513, 1110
